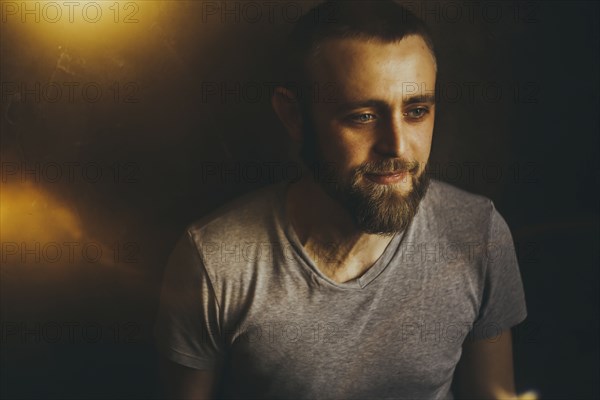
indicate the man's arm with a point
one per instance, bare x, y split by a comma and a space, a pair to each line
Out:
485, 370
187, 383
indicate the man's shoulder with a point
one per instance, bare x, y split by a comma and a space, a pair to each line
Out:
443, 194
245, 216
455, 211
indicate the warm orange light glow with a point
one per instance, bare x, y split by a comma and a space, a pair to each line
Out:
81, 22
36, 228
29, 214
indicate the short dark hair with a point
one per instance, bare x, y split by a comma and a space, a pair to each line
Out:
384, 20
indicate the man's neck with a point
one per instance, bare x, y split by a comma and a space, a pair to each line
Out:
328, 233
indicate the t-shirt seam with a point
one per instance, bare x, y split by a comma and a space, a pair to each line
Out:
203, 261
170, 349
487, 238
507, 324
486, 264
174, 350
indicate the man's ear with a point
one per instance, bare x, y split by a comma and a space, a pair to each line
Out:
287, 108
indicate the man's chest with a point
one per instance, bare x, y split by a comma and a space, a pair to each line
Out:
405, 338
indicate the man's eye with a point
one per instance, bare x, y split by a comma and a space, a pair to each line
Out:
417, 113
363, 118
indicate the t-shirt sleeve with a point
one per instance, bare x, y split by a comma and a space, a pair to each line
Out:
503, 301
187, 326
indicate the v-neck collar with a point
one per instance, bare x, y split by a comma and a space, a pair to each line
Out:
357, 283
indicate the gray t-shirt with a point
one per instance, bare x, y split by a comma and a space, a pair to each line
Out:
242, 295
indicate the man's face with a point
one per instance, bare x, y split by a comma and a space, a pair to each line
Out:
377, 132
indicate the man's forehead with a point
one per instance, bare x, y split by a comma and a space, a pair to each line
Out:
411, 40
358, 69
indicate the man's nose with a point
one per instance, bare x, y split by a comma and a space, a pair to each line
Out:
392, 140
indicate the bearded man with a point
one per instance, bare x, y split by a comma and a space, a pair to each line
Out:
365, 278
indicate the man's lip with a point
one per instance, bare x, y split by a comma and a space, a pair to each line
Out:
404, 172
387, 177
387, 173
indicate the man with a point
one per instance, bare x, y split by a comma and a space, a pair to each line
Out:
365, 278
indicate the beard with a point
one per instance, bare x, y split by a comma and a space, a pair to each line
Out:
375, 208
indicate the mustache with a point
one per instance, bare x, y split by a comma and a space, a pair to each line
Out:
388, 166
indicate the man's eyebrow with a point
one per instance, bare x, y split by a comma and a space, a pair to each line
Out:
362, 104
424, 98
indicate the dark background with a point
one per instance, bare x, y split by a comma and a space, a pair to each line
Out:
517, 121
